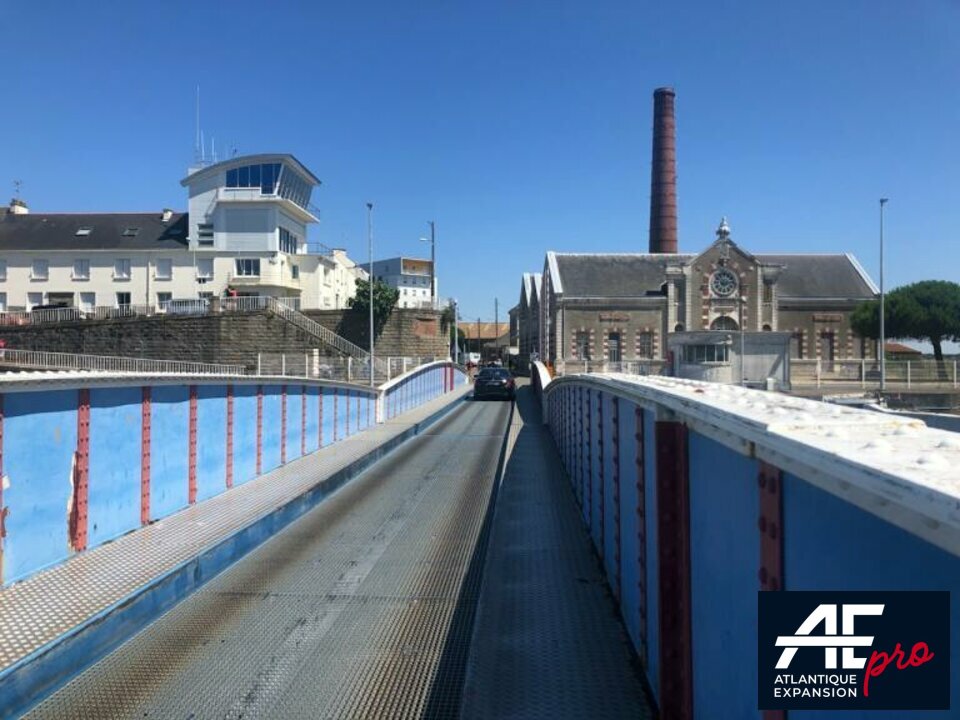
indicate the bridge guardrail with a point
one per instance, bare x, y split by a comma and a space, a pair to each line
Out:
699, 495
418, 386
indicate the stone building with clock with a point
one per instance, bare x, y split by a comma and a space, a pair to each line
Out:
623, 307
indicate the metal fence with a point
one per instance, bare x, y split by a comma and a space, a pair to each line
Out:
42, 360
334, 367
866, 373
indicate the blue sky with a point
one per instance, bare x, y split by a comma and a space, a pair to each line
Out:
518, 126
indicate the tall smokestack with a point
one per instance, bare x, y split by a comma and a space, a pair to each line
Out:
663, 181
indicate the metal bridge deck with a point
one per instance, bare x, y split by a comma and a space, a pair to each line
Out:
365, 607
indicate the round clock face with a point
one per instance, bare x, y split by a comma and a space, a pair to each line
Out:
723, 283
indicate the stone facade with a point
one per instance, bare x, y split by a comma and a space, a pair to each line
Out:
613, 308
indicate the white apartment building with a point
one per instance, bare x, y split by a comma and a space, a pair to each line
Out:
245, 234
411, 276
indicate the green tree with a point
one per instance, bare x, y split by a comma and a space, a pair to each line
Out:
927, 310
384, 300
447, 323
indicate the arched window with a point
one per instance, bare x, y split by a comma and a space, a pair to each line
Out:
678, 327
724, 323
766, 327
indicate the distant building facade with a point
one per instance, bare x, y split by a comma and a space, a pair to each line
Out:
621, 307
245, 234
411, 277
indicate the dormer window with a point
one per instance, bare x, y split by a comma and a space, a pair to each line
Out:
83, 232
130, 232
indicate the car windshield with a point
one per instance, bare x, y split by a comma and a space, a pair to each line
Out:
493, 374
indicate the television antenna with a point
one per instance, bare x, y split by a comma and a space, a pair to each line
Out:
16, 187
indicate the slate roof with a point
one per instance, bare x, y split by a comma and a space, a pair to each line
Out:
820, 276
58, 232
614, 276
636, 274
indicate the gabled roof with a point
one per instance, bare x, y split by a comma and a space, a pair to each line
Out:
821, 276
630, 275
531, 288
58, 231
613, 275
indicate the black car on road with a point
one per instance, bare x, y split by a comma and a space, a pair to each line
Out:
494, 382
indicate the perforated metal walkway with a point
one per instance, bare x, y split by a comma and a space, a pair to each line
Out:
343, 614
548, 642
367, 606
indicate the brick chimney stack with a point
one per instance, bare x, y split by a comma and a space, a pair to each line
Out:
663, 181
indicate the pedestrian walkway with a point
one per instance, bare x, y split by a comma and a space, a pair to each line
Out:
547, 641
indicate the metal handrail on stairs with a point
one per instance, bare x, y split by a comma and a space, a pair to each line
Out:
329, 337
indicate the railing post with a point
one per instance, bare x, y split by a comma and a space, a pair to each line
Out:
818, 372
908, 374
863, 373
258, 364
306, 367
350, 367
954, 373
283, 363
673, 513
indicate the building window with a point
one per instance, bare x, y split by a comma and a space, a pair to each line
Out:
205, 295
828, 346
205, 269
164, 269
289, 243
88, 301
121, 269
248, 267
796, 346
678, 327
163, 298
123, 299
265, 177
295, 272
766, 327
205, 233
613, 347
768, 292
40, 270
705, 353
3, 302
724, 322
81, 269
645, 345
34, 299
3, 269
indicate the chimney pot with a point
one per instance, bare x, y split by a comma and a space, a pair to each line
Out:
663, 176
166, 215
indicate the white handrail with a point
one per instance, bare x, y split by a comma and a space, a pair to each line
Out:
105, 363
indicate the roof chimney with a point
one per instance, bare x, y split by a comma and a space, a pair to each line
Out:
18, 207
166, 215
663, 181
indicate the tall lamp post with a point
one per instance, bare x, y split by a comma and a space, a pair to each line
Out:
456, 333
370, 250
883, 333
433, 262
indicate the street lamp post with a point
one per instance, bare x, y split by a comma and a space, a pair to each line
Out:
883, 333
456, 333
433, 264
370, 250
742, 377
